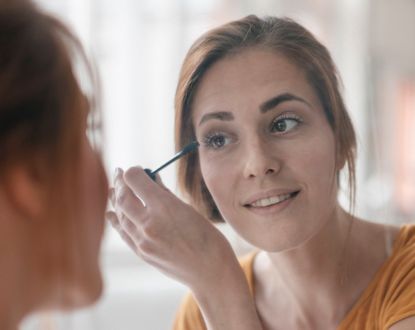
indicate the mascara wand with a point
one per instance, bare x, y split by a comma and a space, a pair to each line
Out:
192, 146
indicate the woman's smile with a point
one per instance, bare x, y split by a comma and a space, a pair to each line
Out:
270, 202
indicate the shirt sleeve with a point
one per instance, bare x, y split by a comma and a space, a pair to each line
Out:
188, 316
400, 295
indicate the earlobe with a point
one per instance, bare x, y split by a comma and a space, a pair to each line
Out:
340, 161
26, 191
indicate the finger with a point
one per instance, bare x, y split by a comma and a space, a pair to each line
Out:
116, 209
113, 219
141, 184
111, 196
127, 225
123, 224
128, 203
118, 181
118, 176
127, 239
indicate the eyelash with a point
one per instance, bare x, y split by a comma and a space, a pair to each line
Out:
209, 140
286, 117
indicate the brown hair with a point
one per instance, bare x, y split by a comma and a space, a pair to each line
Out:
286, 37
42, 107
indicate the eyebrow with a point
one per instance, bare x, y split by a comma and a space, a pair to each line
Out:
222, 115
264, 107
275, 101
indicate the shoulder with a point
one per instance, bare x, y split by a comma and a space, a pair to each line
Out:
402, 259
382, 242
389, 299
406, 236
400, 264
398, 280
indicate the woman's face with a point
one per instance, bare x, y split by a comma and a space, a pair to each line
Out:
267, 152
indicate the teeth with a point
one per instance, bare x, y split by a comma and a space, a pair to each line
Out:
270, 201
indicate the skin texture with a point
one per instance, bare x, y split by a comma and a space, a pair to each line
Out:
315, 259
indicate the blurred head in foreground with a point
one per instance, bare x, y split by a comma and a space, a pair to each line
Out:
53, 188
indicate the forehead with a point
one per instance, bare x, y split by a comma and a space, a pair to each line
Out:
248, 78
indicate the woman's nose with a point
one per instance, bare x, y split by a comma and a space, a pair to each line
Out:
260, 159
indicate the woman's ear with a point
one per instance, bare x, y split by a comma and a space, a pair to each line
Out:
340, 160
26, 190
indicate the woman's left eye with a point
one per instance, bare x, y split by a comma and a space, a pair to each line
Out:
284, 125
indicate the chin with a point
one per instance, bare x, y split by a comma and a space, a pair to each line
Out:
83, 292
280, 238
92, 293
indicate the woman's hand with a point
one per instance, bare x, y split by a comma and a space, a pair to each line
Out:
166, 232
173, 237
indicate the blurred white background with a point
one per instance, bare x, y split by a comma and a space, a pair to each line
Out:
138, 46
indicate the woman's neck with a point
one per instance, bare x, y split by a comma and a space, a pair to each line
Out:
313, 276
318, 260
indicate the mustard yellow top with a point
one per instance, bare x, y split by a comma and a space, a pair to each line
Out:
389, 298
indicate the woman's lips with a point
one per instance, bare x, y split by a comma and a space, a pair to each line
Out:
271, 204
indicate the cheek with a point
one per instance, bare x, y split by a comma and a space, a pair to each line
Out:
94, 192
98, 193
218, 175
317, 160
210, 170
100, 186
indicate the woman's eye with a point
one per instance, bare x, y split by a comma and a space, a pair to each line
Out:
284, 125
216, 141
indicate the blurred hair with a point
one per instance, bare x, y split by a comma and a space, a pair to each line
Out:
42, 106
286, 37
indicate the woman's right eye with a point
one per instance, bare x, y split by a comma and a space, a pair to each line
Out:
216, 141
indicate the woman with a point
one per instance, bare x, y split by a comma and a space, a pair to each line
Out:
53, 187
262, 98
